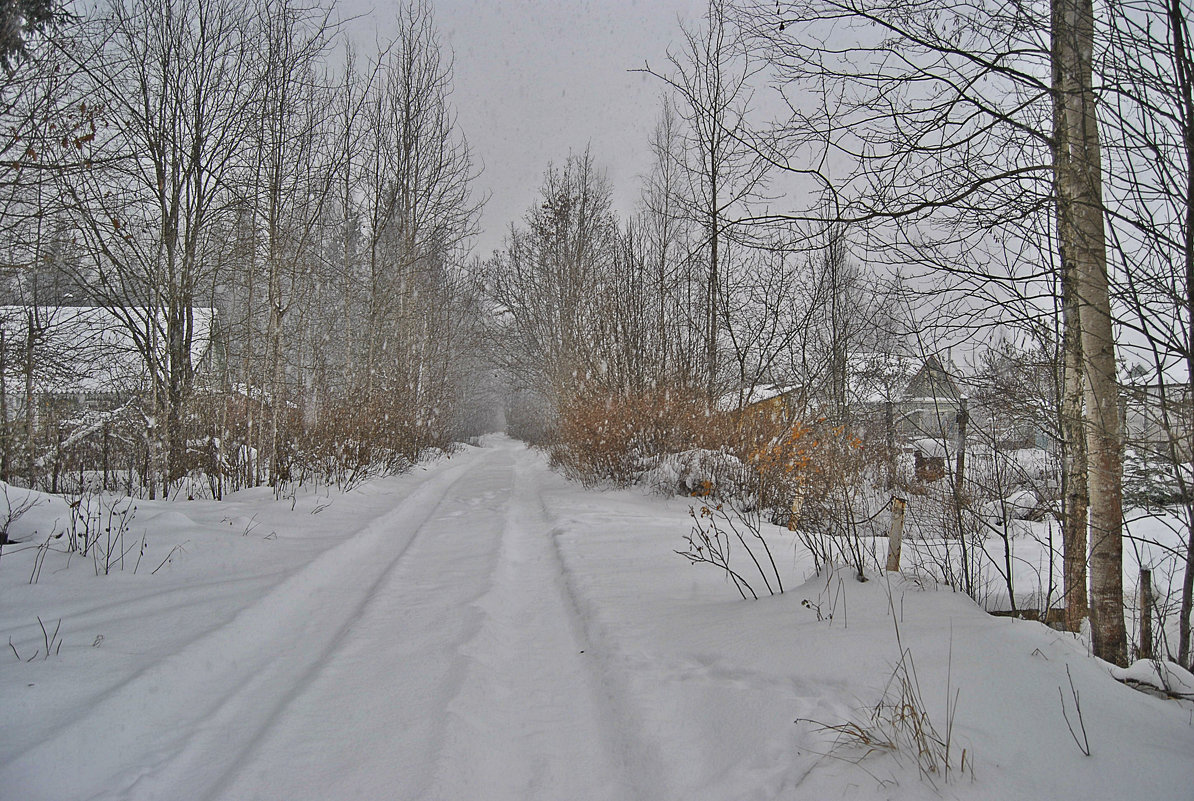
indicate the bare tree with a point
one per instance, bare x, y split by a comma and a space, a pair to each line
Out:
290, 186
548, 280
953, 144
710, 78
176, 83
1148, 114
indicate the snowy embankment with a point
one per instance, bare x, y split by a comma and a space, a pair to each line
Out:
480, 628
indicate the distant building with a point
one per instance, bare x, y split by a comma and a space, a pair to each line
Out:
775, 399
1154, 413
86, 358
923, 395
929, 404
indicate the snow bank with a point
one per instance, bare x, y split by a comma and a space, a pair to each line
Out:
1168, 677
694, 472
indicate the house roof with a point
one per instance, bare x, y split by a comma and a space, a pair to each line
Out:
89, 349
932, 381
871, 378
749, 396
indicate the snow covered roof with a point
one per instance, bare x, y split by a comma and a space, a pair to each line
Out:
870, 378
931, 447
879, 377
749, 396
932, 381
89, 349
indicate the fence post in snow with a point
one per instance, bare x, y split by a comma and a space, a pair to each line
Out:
896, 535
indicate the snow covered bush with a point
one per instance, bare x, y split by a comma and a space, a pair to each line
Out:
699, 471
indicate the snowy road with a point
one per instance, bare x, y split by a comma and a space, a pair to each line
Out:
439, 632
482, 629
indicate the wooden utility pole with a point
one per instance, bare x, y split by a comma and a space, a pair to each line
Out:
963, 421
1145, 649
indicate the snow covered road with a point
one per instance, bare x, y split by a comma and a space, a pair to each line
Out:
481, 629
438, 632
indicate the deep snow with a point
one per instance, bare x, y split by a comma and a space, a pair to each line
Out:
482, 629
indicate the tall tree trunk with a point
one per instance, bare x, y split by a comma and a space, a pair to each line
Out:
1183, 61
714, 281
1079, 191
151, 430
5, 433
1073, 467
1075, 498
31, 334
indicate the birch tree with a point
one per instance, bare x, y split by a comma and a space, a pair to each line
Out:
984, 120
176, 83
1083, 249
710, 77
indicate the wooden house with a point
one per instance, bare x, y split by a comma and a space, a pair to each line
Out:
84, 358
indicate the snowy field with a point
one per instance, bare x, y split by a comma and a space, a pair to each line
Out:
481, 629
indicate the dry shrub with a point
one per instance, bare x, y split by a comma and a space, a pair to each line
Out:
352, 440
899, 725
242, 440
815, 473
807, 467
605, 437
784, 464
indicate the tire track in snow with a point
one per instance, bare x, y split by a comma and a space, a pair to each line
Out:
174, 599
531, 718
349, 734
252, 666
638, 756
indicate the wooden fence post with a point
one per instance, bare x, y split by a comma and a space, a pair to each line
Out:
896, 535
797, 504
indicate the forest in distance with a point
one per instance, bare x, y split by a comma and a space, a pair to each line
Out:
926, 249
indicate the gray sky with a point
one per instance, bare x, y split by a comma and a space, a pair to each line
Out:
537, 78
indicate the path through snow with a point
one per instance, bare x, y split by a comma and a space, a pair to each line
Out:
431, 653
483, 630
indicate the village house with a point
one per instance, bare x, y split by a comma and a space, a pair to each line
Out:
921, 396
84, 358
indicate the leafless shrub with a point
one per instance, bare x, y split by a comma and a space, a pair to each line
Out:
51, 643
98, 526
611, 437
718, 531
13, 511
1082, 742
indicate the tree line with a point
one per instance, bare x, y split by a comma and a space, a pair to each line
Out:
836, 178
163, 159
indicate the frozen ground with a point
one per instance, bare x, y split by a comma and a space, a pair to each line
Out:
481, 629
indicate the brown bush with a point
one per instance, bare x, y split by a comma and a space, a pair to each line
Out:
786, 465
601, 437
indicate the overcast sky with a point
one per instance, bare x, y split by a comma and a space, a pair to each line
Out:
537, 78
